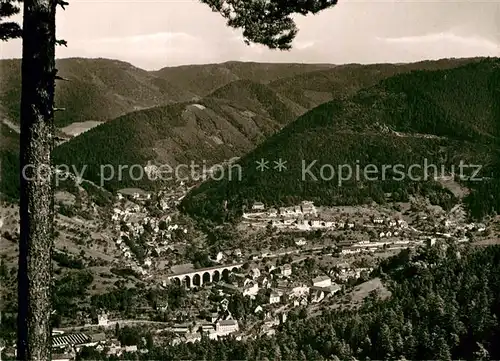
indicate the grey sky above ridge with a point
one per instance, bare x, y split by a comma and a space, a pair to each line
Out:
155, 34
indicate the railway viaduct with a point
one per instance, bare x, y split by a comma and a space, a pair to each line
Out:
204, 275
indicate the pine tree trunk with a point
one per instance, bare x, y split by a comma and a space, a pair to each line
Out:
36, 206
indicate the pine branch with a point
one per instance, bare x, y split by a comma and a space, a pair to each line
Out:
267, 22
62, 3
62, 42
9, 31
8, 9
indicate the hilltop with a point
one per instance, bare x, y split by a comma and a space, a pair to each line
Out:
208, 131
204, 79
443, 116
97, 89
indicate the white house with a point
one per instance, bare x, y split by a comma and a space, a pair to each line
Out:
286, 270
251, 289
300, 302
225, 327
316, 223
273, 212
224, 304
308, 207
329, 224
102, 319
218, 257
274, 297
258, 206
192, 337
299, 291
350, 251
131, 348
402, 223
300, 242
255, 273
322, 281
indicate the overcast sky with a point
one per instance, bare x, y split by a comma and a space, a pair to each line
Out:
154, 34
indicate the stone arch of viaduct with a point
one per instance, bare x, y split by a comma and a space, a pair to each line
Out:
204, 275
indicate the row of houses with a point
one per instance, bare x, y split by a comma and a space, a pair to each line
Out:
366, 246
259, 209
278, 287
308, 224
390, 222
133, 193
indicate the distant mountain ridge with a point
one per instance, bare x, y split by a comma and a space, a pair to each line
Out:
103, 89
152, 116
204, 79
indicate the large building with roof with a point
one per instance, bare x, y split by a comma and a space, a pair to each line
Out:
76, 340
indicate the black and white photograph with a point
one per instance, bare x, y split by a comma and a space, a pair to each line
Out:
249, 180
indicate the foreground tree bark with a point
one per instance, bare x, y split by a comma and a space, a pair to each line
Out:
36, 205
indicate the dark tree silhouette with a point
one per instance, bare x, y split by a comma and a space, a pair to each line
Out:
9, 29
36, 198
267, 22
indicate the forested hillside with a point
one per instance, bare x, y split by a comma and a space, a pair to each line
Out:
444, 117
314, 88
96, 89
204, 132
